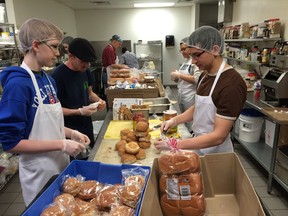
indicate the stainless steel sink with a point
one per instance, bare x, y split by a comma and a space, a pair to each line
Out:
157, 105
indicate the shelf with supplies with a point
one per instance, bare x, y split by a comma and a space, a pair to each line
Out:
152, 51
246, 61
9, 52
253, 40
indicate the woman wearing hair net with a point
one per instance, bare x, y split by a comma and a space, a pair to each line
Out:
220, 96
186, 77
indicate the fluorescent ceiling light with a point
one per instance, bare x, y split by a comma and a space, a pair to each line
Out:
163, 4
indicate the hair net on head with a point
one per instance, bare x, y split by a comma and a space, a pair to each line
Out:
39, 30
185, 40
205, 37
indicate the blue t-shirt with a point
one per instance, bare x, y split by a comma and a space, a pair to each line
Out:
19, 103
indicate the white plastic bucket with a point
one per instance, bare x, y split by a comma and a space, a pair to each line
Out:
250, 125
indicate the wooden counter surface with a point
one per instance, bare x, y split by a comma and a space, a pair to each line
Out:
104, 149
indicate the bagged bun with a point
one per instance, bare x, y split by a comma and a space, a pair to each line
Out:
121, 210
192, 206
107, 196
89, 189
71, 185
188, 184
179, 162
53, 210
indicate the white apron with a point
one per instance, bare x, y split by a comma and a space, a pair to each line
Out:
186, 90
204, 117
37, 168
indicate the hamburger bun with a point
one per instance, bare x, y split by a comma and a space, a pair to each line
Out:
179, 162
89, 189
108, 196
128, 158
121, 210
132, 148
71, 185
186, 185
135, 179
53, 210
142, 126
141, 154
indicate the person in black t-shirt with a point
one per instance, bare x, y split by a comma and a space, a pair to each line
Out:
74, 83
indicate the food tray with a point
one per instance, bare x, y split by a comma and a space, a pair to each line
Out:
104, 173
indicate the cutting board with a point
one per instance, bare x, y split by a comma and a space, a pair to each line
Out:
115, 126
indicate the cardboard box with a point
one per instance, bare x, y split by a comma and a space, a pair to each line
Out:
227, 188
269, 132
104, 173
118, 102
130, 93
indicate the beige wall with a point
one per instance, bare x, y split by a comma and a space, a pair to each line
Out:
256, 11
21, 10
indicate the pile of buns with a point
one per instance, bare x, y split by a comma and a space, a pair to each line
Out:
180, 183
133, 143
120, 73
92, 198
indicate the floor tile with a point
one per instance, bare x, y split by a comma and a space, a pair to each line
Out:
14, 209
258, 181
19, 199
262, 192
279, 212
274, 203
3, 208
253, 173
8, 197
13, 187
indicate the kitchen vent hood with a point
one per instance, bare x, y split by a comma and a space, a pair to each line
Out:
225, 11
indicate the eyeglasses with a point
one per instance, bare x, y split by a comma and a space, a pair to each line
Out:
196, 55
54, 48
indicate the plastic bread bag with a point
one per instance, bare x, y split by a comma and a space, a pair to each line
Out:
137, 175
53, 209
194, 205
107, 196
121, 210
65, 201
176, 186
89, 189
85, 208
176, 162
134, 180
72, 184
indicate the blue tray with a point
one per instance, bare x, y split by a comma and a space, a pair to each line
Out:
104, 173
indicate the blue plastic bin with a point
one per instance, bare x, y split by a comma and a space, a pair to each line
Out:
104, 173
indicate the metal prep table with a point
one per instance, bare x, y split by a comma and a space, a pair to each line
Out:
264, 154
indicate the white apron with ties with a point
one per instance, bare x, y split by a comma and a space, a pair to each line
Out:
186, 90
204, 117
37, 168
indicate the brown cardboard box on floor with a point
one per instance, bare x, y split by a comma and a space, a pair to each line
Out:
227, 188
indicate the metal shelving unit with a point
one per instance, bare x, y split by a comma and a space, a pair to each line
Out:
264, 154
154, 52
9, 45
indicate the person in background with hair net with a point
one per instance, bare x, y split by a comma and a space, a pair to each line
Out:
220, 97
31, 117
186, 77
